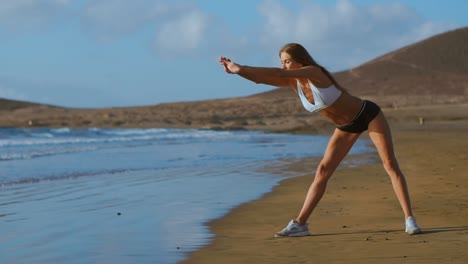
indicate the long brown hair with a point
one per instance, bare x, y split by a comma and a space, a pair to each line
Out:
302, 56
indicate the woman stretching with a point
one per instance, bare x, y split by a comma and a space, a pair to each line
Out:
319, 92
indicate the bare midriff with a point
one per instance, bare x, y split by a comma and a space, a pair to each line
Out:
343, 110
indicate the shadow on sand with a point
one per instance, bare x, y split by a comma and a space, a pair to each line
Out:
425, 231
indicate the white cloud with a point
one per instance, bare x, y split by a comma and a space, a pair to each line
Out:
20, 14
345, 34
109, 19
179, 26
185, 33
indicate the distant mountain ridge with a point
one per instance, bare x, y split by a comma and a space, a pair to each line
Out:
432, 71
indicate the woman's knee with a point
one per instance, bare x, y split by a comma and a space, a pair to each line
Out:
323, 173
390, 165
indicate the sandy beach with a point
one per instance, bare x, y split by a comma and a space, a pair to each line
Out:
141, 183
359, 219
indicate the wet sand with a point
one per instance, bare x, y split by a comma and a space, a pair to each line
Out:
359, 220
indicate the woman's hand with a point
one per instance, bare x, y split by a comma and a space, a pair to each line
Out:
229, 66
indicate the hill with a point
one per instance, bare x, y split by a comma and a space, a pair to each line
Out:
10, 105
432, 71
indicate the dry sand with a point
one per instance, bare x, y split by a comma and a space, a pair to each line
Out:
359, 219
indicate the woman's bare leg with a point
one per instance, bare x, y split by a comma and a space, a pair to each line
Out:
339, 145
380, 134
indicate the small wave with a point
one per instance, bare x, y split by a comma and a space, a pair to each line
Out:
70, 176
129, 132
43, 153
93, 136
63, 141
62, 130
61, 177
37, 141
45, 135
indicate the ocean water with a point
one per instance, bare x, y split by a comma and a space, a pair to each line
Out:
130, 195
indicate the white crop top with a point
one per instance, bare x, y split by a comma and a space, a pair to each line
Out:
323, 97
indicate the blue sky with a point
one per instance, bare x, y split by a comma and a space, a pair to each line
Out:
112, 53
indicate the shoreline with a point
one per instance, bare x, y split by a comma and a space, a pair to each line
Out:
253, 117
359, 216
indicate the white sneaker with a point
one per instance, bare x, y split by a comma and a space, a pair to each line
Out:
293, 229
411, 226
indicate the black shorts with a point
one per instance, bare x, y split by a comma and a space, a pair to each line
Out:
360, 123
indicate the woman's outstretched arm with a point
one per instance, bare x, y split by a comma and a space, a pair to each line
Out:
269, 79
270, 75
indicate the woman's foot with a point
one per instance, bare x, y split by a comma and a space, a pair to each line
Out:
293, 229
411, 226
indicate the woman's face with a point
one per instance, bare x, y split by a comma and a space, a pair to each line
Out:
289, 63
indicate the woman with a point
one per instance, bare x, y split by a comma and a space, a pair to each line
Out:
319, 92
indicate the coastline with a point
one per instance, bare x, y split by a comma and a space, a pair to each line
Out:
359, 219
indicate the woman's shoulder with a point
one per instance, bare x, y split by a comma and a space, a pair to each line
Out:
322, 83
